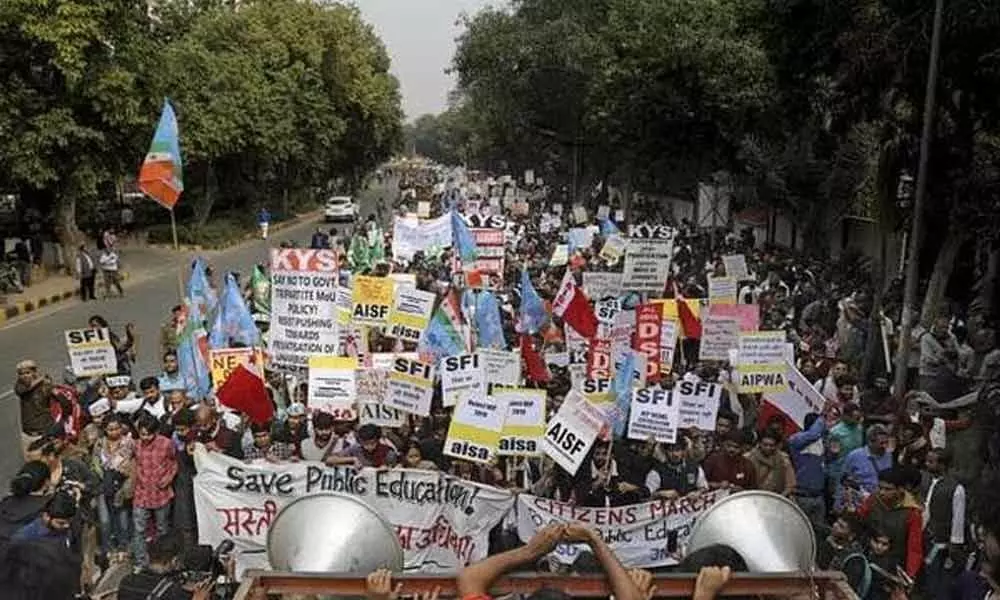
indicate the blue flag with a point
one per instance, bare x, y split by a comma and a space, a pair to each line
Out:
489, 326
608, 228
465, 244
203, 298
533, 314
621, 386
192, 353
233, 326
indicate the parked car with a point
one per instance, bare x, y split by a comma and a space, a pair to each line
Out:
340, 208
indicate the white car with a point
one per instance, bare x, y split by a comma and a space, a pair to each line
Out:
340, 208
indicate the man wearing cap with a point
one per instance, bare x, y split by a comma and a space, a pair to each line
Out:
893, 511
34, 390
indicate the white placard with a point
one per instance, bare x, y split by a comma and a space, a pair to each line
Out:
736, 266
668, 344
798, 399
90, 352
303, 306
647, 265
442, 522
571, 432
719, 335
500, 367
722, 290
524, 427
411, 387
699, 403
410, 314
332, 387
599, 285
410, 237
461, 377
762, 366
654, 412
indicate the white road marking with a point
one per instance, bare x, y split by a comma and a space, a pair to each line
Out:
4, 395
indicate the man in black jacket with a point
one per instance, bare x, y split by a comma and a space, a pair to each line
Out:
162, 580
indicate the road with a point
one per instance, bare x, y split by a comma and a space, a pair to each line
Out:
39, 336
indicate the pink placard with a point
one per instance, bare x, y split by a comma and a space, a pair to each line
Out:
748, 314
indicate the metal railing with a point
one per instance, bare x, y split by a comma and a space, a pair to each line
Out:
825, 585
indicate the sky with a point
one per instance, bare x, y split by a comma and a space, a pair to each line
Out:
420, 37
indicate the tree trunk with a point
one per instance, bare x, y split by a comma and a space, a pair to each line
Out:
943, 267
67, 233
203, 209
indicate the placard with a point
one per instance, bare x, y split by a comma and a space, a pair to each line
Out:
762, 366
599, 359
736, 266
748, 314
223, 362
653, 413
571, 432
648, 318
524, 427
668, 344
600, 285
332, 386
91, 352
722, 290
719, 335
461, 377
598, 392
344, 304
410, 237
474, 431
500, 367
411, 387
647, 265
410, 314
371, 300
798, 399
613, 249
442, 522
648, 535
698, 402
372, 386
303, 306
423, 209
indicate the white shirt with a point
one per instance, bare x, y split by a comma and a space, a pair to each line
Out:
109, 261
310, 451
957, 511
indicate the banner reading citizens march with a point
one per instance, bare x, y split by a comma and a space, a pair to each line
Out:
443, 522
651, 534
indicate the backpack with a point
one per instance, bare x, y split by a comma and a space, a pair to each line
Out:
858, 572
71, 420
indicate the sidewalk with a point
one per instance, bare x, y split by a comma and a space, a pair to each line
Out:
139, 263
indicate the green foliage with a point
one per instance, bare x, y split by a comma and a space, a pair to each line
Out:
278, 97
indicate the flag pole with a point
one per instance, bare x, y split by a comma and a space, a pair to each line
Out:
180, 269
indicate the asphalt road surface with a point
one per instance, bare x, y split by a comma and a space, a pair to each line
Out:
39, 336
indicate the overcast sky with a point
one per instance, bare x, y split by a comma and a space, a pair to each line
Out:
420, 36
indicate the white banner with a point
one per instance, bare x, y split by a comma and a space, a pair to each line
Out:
699, 403
654, 413
651, 534
303, 306
736, 266
408, 237
719, 335
91, 352
461, 377
474, 431
443, 522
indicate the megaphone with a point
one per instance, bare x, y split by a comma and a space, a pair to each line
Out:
769, 531
333, 533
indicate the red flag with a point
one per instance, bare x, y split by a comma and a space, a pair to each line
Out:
689, 323
244, 391
579, 315
534, 365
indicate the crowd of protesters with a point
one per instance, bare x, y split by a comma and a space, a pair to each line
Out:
890, 481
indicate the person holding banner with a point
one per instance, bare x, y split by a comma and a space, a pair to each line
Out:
475, 581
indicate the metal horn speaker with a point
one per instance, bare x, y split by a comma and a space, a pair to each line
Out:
770, 532
333, 533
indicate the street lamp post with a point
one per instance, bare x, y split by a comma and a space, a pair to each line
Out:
913, 267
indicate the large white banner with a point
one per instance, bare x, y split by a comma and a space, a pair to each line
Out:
409, 237
443, 522
303, 306
651, 534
